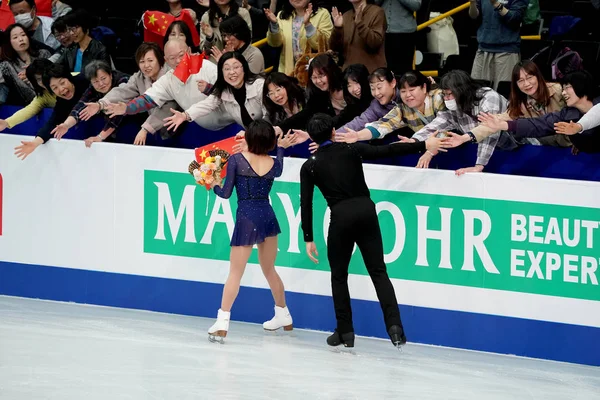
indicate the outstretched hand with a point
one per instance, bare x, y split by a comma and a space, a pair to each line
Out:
115, 109
349, 137
567, 128
173, 122
435, 144
492, 121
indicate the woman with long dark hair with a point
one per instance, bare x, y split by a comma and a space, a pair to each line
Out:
18, 52
325, 93
282, 97
218, 11
180, 30
357, 92
298, 22
237, 93
530, 97
252, 172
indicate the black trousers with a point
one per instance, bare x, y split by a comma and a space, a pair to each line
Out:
355, 221
400, 51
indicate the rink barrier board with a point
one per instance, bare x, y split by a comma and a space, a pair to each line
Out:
112, 219
521, 337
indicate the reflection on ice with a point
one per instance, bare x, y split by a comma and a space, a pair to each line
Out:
67, 351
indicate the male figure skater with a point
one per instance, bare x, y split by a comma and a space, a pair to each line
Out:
336, 169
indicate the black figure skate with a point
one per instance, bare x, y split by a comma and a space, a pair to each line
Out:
397, 336
347, 339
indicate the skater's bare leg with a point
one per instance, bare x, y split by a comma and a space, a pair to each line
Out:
238, 260
267, 252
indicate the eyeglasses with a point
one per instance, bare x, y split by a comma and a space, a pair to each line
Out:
447, 95
275, 93
528, 78
227, 70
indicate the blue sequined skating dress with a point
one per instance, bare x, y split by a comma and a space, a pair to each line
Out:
255, 218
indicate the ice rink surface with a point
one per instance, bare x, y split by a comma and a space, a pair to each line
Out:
52, 350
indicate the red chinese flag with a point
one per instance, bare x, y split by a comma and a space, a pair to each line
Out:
6, 16
44, 7
225, 144
156, 24
189, 65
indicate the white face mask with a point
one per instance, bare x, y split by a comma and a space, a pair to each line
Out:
451, 105
24, 19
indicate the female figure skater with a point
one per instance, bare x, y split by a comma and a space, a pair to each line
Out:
252, 173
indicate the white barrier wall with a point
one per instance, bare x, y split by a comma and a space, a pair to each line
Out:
489, 262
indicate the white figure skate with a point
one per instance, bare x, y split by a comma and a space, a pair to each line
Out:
282, 319
218, 331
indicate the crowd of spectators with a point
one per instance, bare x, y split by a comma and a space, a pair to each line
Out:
353, 61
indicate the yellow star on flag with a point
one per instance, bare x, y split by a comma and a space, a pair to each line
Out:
152, 19
203, 154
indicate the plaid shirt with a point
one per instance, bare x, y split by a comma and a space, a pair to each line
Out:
92, 96
492, 102
402, 115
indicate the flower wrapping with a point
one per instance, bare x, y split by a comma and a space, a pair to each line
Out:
211, 161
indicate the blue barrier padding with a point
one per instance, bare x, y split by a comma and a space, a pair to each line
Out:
538, 161
522, 337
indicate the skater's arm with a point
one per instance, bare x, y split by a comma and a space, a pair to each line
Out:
370, 152
225, 191
279, 162
307, 188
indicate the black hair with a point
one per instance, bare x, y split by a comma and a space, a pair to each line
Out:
320, 127
59, 25
287, 10
37, 67
185, 29
236, 26
467, 91
221, 85
10, 54
215, 14
326, 65
583, 84
359, 74
260, 137
382, 74
295, 95
145, 47
56, 71
81, 18
95, 66
414, 79
30, 2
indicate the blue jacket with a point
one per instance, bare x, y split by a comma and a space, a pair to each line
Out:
501, 34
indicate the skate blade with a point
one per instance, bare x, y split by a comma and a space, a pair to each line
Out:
341, 349
217, 337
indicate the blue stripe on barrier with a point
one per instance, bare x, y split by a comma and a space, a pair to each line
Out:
522, 337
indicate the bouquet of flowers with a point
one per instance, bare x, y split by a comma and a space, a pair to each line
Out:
211, 169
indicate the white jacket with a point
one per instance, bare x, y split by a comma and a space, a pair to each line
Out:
169, 87
227, 105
